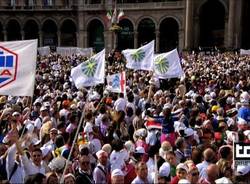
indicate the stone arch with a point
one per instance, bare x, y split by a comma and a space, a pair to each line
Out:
146, 31
169, 34
126, 36
49, 31
68, 33
13, 29
95, 29
31, 29
96, 18
212, 23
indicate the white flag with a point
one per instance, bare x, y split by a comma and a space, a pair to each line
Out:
90, 72
18, 67
167, 65
141, 58
117, 82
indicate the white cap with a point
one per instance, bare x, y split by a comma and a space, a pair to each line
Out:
117, 172
188, 132
15, 114
241, 121
182, 166
242, 170
164, 170
43, 108
140, 150
184, 181
223, 180
101, 153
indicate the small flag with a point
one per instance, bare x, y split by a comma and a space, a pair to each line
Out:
141, 58
109, 15
90, 72
117, 82
18, 67
114, 17
167, 65
120, 15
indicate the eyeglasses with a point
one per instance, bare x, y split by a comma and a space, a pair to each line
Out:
195, 174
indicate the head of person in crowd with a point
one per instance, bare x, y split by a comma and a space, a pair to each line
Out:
193, 172
51, 178
37, 156
164, 173
181, 171
212, 172
141, 170
117, 177
36, 178
102, 157
69, 179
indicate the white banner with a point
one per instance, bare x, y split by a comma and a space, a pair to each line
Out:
244, 52
141, 58
44, 51
90, 72
167, 65
117, 82
18, 67
69, 51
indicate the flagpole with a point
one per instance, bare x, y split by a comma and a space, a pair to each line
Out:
72, 147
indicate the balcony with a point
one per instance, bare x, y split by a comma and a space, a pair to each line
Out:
93, 6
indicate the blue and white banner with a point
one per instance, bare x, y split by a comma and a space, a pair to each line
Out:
141, 58
117, 82
90, 72
167, 65
18, 67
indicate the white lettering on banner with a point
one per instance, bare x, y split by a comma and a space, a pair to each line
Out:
243, 149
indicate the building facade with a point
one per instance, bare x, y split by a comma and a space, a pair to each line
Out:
185, 24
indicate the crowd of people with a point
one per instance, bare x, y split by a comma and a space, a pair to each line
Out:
174, 131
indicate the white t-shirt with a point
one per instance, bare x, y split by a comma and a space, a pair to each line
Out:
120, 104
117, 159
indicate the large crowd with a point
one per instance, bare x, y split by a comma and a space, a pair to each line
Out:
176, 131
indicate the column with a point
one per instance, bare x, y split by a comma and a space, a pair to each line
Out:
188, 24
59, 38
5, 38
181, 39
85, 39
157, 41
231, 17
108, 40
135, 39
40, 38
22, 35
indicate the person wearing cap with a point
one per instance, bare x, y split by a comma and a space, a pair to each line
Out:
83, 174
117, 177
164, 173
181, 173
39, 121
101, 173
52, 134
142, 174
244, 111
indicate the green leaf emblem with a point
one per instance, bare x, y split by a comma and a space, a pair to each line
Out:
161, 64
89, 67
138, 55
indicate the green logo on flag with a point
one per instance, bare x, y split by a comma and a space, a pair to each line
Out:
161, 64
138, 55
89, 67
